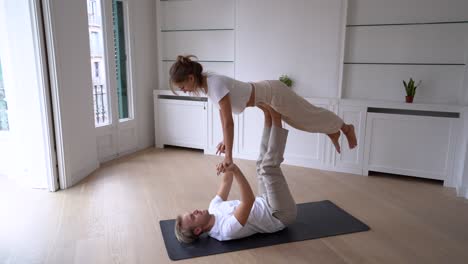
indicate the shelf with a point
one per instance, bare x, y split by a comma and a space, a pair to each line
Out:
169, 92
397, 63
379, 104
201, 61
182, 30
413, 112
183, 98
408, 24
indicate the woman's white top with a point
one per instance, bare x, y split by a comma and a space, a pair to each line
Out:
226, 226
220, 85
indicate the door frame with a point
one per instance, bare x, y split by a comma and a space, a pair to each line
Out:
49, 58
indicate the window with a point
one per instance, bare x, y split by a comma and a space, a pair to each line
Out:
92, 12
4, 126
100, 88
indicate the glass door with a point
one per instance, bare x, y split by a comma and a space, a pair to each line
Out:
111, 64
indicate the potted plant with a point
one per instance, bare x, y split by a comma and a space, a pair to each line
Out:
410, 90
286, 80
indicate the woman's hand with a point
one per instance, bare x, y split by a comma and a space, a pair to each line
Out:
221, 148
231, 168
221, 167
227, 169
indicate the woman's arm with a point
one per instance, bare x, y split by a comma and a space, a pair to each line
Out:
220, 148
227, 124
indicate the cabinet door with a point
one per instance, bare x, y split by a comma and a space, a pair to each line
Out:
350, 160
304, 148
215, 130
182, 123
251, 123
409, 145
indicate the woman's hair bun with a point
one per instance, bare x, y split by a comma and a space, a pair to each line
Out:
185, 59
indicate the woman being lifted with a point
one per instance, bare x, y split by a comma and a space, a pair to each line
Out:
233, 96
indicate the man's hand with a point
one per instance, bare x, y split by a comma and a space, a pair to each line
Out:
221, 167
221, 148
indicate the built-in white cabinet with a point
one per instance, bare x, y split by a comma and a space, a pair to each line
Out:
180, 121
408, 142
351, 160
414, 140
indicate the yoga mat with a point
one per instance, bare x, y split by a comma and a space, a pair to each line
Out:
314, 220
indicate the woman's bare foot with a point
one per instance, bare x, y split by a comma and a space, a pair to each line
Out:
335, 137
348, 130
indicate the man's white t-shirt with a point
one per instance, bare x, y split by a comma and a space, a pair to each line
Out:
226, 226
220, 85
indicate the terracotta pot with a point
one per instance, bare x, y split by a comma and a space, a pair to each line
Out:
409, 99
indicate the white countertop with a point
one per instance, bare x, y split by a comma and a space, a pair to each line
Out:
361, 102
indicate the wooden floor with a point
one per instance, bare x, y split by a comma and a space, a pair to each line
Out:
113, 215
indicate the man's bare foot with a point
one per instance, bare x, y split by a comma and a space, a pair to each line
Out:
348, 130
335, 137
275, 116
266, 113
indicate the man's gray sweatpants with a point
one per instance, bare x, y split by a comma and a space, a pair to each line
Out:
271, 182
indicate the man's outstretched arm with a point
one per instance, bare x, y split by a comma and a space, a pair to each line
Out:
242, 211
225, 186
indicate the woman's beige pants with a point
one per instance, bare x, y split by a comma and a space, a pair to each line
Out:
295, 110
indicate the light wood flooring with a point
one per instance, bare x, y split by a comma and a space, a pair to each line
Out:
113, 215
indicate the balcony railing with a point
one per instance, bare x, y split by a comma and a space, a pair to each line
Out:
100, 104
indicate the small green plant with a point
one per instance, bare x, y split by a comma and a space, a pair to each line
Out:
286, 80
410, 87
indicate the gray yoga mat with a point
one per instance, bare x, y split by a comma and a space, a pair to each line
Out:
314, 220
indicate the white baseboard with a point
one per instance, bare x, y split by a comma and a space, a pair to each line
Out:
348, 170
80, 175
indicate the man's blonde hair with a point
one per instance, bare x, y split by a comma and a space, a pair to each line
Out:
183, 235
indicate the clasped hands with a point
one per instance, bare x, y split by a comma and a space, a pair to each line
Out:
227, 163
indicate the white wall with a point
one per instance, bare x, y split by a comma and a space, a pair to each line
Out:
71, 51
143, 19
401, 11
412, 44
208, 24
301, 38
